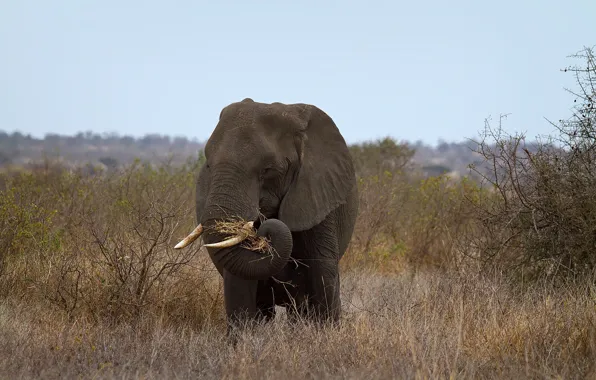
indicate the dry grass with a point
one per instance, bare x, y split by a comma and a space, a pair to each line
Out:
398, 326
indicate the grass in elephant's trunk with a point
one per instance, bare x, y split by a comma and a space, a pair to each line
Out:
252, 241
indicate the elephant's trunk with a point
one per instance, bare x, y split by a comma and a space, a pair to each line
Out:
248, 264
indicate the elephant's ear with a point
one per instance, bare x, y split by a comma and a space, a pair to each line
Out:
326, 172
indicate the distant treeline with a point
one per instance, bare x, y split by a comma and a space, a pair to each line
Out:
83, 148
111, 150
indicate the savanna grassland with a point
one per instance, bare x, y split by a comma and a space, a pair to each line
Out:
444, 278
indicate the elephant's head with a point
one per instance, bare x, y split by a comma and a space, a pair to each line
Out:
284, 162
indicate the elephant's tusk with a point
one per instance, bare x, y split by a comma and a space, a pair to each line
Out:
233, 240
194, 235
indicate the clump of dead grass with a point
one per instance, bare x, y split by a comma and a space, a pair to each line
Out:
240, 227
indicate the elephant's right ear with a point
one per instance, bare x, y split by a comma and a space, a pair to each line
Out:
202, 189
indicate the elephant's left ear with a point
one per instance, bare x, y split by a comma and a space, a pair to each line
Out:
326, 174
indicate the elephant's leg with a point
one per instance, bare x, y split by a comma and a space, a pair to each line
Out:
290, 290
240, 298
324, 302
265, 302
322, 271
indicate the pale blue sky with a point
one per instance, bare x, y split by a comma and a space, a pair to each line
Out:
412, 70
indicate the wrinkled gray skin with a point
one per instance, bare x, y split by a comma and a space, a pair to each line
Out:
291, 164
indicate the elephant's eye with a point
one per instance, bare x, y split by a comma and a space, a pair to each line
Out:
267, 172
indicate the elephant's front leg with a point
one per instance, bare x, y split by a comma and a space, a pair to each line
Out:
322, 271
265, 302
323, 291
240, 298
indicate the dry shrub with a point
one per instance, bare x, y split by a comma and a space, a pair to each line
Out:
29, 204
406, 220
101, 246
541, 217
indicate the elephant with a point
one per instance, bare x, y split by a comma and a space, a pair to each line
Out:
287, 171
